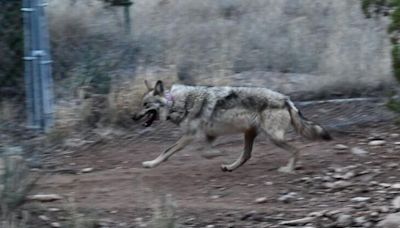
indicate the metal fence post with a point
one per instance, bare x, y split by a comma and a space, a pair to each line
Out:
38, 79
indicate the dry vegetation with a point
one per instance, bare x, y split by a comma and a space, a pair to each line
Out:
99, 70
289, 46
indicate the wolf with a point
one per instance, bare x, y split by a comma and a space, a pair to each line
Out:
212, 111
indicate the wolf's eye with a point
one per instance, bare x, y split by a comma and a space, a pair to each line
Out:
145, 104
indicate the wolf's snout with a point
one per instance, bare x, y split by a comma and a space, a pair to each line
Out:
136, 117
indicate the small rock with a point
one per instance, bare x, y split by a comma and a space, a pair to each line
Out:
394, 135
344, 220
210, 226
392, 165
338, 184
44, 218
396, 202
360, 220
87, 170
345, 176
295, 222
248, 215
377, 142
360, 199
44, 197
55, 224
261, 200
391, 221
395, 186
358, 151
317, 214
384, 209
53, 209
288, 197
340, 147
385, 185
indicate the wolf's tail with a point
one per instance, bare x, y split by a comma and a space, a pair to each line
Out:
305, 127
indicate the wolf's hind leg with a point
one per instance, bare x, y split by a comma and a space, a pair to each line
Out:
278, 140
249, 137
179, 145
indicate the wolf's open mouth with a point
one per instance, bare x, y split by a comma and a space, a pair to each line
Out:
150, 117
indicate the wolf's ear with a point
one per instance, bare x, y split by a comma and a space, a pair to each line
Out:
159, 88
147, 85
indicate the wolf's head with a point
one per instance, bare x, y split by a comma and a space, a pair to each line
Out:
154, 104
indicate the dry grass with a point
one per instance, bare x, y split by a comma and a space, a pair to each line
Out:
15, 182
8, 111
211, 42
208, 41
164, 215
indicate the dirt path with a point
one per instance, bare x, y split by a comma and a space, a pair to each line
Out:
120, 193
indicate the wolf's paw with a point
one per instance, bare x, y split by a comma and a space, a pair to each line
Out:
148, 164
286, 169
225, 168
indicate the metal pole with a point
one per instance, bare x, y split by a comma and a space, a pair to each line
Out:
26, 13
39, 83
45, 69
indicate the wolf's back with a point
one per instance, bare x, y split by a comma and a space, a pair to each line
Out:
305, 127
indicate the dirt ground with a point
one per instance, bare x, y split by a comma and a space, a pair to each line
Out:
118, 192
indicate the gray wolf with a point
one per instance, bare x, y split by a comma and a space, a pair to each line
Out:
209, 112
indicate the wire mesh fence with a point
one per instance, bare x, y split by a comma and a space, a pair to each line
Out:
345, 113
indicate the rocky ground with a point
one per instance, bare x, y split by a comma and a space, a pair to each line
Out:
351, 181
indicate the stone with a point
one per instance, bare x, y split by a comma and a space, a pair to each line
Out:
360, 220
358, 151
395, 186
261, 200
396, 202
360, 199
344, 220
340, 147
394, 135
55, 224
248, 215
44, 218
296, 222
338, 184
44, 197
87, 170
377, 143
54, 209
390, 221
288, 197
317, 214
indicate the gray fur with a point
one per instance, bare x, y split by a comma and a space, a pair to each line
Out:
203, 111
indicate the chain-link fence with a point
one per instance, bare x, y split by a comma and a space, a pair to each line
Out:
345, 113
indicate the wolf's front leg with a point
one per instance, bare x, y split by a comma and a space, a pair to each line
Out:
179, 145
249, 137
209, 151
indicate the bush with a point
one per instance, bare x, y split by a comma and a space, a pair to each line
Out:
11, 49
